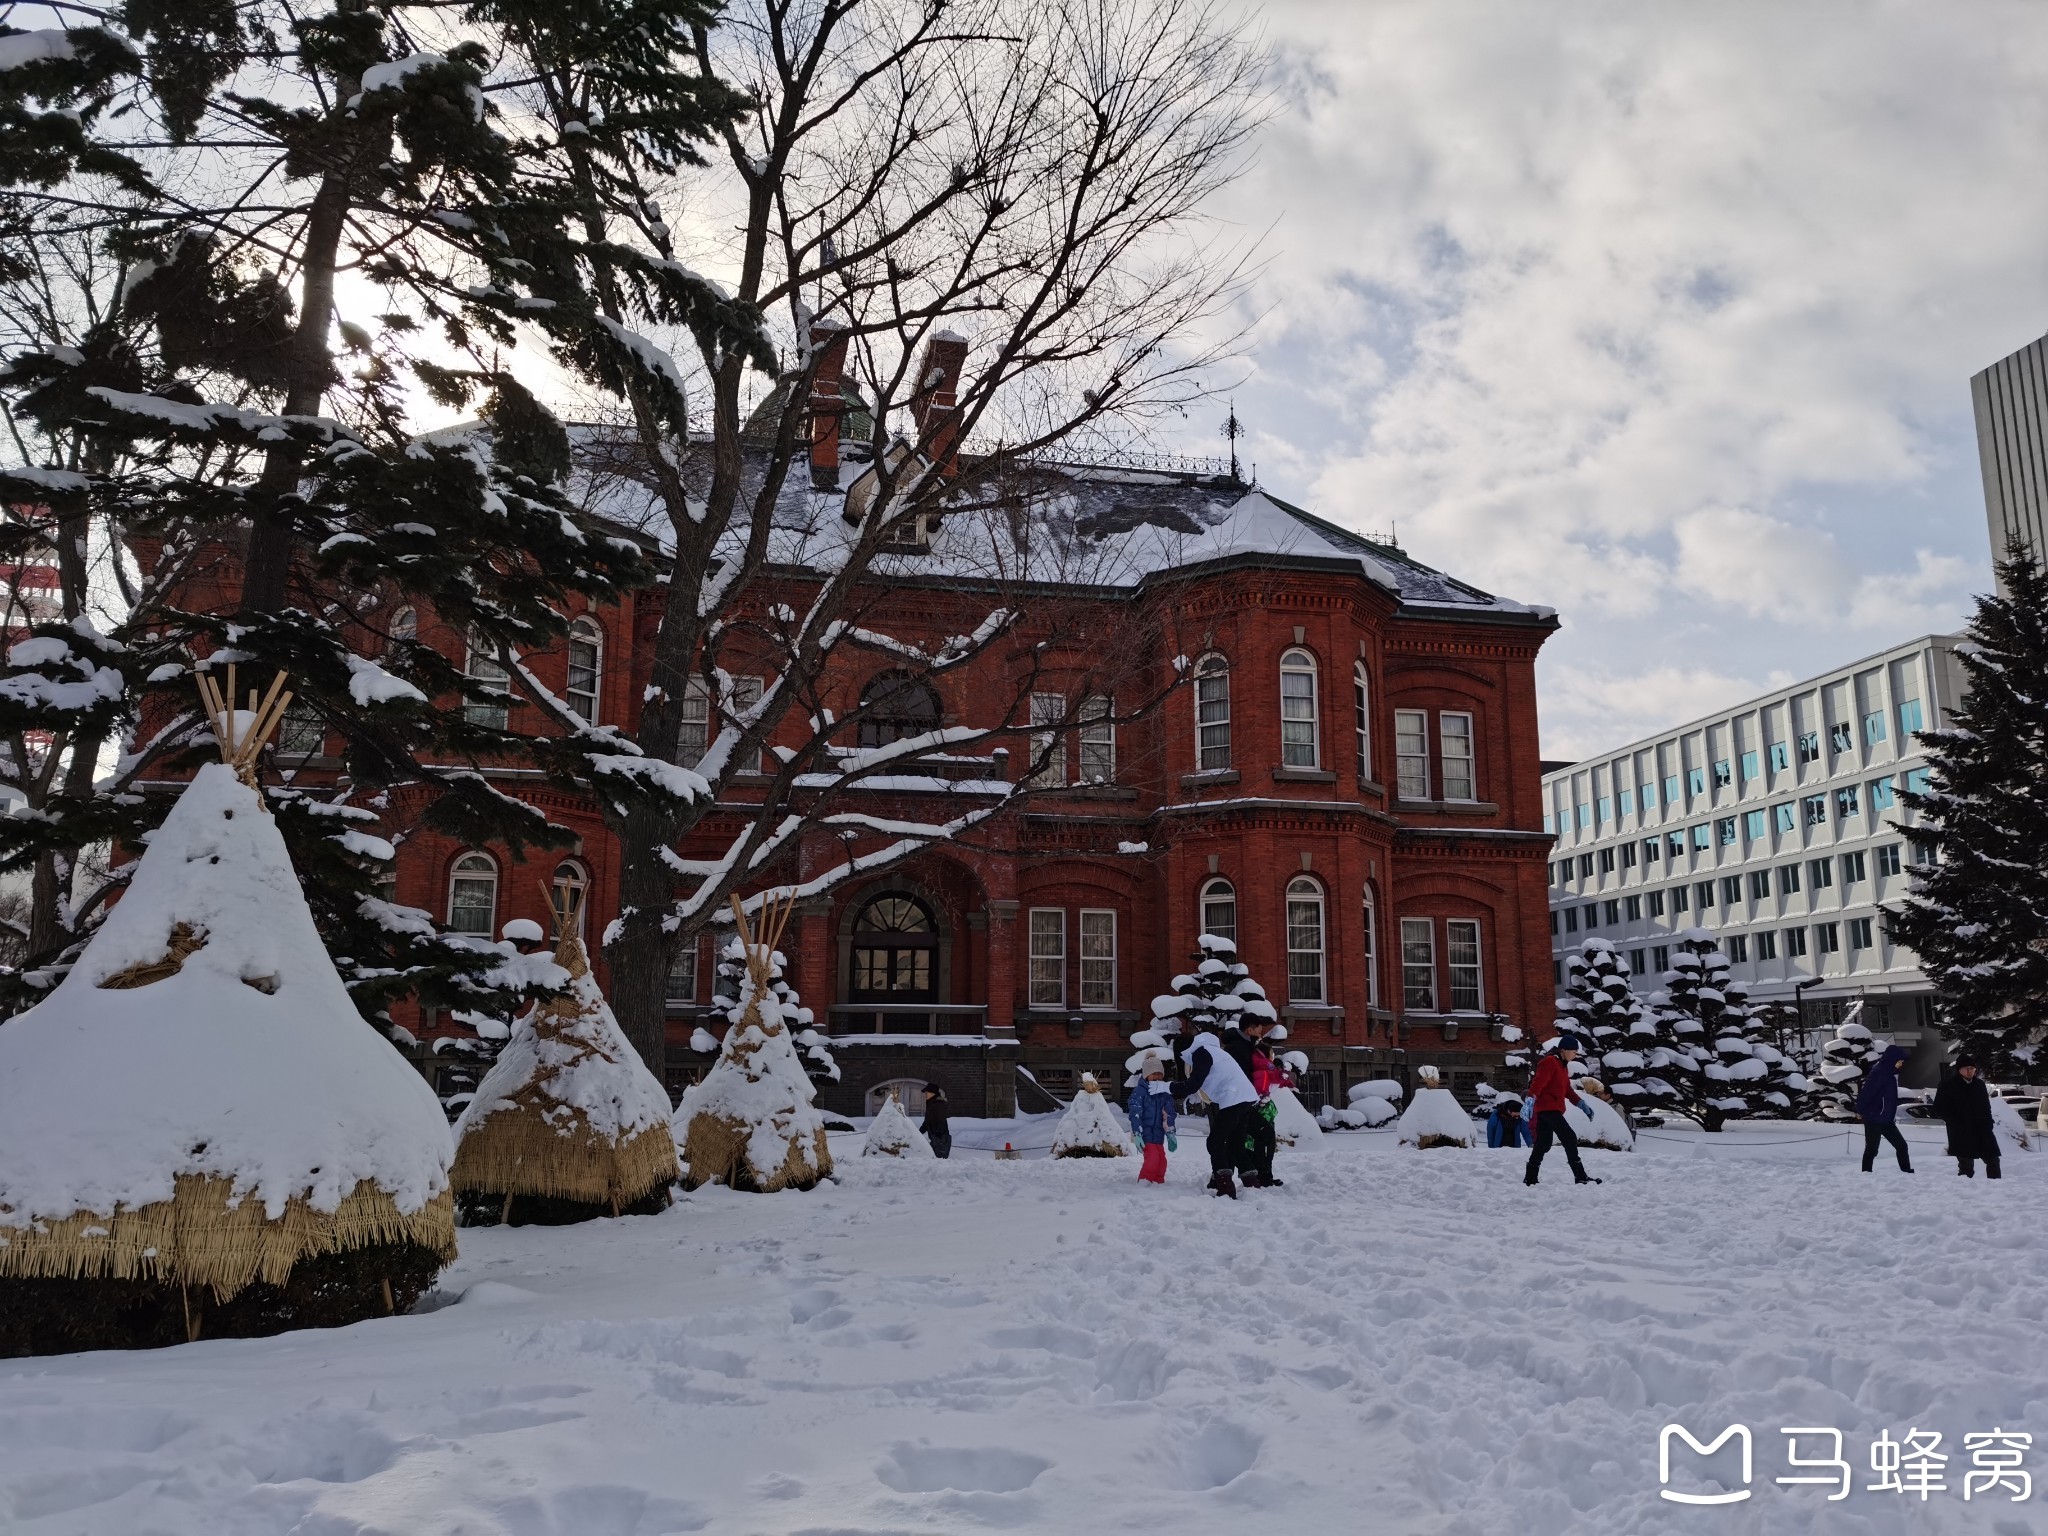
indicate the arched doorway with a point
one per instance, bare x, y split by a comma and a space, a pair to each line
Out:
895, 952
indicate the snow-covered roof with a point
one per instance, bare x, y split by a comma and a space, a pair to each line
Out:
1072, 524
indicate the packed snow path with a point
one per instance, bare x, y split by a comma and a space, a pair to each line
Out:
1398, 1341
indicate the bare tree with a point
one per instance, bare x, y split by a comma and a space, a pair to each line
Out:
992, 220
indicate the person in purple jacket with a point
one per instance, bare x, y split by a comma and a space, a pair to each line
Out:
1877, 1105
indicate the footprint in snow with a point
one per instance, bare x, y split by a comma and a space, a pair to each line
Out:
926, 1468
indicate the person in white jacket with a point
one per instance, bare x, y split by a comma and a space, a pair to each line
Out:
1218, 1066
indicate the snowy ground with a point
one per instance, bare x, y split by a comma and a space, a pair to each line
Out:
1398, 1341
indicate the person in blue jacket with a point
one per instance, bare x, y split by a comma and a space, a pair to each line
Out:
1504, 1127
1877, 1105
1151, 1113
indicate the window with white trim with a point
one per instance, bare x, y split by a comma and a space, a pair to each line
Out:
572, 891
1219, 910
746, 693
1212, 714
586, 666
1411, 755
1418, 964
405, 624
1361, 712
693, 733
1304, 941
1461, 955
1048, 960
473, 895
1454, 729
481, 666
1098, 958
1300, 746
1372, 951
1097, 740
682, 974
1048, 748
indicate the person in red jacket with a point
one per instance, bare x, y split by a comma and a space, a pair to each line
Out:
1550, 1089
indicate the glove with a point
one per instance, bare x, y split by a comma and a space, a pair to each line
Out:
1268, 1111
1585, 1109
1172, 1142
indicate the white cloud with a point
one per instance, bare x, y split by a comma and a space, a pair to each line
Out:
1587, 710
1654, 310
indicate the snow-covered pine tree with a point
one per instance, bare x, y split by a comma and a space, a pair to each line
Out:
182, 185
1841, 1063
1599, 1006
1217, 994
1735, 1070
1978, 915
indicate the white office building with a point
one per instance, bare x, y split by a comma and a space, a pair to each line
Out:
1776, 826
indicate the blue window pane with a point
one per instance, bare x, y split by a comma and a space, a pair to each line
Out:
1696, 781
1549, 822
1755, 827
1781, 756
1606, 810
1873, 727
1881, 796
1917, 781
1628, 801
1845, 803
1579, 812
1724, 831
1751, 768
1724, 774
1702, 836
1671, 790
1787, 819
1910, 718
1816, 810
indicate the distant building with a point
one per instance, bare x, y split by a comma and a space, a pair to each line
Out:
2011, 400
1776, 826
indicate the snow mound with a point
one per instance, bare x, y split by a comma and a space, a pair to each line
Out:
1606, 1127
1293, 1123
245, 1061
892, 1135
1382, 1088
1090, 1128
1435, 1118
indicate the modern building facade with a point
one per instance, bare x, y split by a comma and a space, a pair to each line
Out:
1776, 826
2011, 402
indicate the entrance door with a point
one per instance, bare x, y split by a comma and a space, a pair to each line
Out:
895, 959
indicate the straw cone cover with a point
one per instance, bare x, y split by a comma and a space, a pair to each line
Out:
244, 1079
753, 1117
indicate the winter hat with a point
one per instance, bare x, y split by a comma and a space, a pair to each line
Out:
1965, 1060
1151, 1063
1569, 1043
935, 1088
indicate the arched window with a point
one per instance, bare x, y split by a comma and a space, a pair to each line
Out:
473, 895
909, 1093
1372, 951
896, 705
1361, 708
405, 625
1299, 744
586, 667
1304, 941
572, 890
1219, 910
481, 666
895, 947
1212, 714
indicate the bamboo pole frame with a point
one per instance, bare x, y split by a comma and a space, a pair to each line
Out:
239, 753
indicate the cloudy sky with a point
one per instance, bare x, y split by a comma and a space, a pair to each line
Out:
1662, 314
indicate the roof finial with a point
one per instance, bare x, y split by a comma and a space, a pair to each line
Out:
1233, 429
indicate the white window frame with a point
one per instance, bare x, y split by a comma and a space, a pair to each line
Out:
481, 665
573, 874
405, 623
1418, 931
1212, 714
474, 868
1446, 759
693, 733
1372, 946
1098, 957
1215, 891
585, 633
1045, 975
1411, 767
1298, 752
1048, 709
1474, 969
684, 965
1361, 706
1303, 894
746, 693
1097, 739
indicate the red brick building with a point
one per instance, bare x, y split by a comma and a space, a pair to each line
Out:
1346, 780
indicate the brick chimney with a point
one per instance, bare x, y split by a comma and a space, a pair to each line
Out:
934, 403
828, 405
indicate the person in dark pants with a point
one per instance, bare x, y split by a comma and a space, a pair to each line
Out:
1213, 1067
938, 1129
1877, 1103
1963, 1101
1551, 1089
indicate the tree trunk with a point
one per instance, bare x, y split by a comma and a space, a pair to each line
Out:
641, 952
1711, 1120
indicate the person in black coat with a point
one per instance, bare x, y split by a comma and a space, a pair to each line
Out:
938, 1128
1963, 1103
